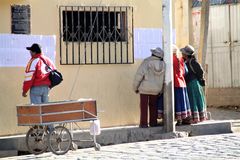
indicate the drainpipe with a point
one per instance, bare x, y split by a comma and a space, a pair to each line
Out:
169, 125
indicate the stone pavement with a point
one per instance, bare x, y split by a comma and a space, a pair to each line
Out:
209, 147
221, 113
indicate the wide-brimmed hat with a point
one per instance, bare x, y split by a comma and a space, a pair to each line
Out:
158, 52
35, 48
187, 50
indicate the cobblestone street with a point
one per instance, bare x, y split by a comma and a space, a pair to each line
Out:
211, 147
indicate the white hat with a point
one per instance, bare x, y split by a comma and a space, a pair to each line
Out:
158, 52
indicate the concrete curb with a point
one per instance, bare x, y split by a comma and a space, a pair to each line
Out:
126, 134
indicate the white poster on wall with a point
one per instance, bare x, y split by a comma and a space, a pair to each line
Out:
13, 51
146, 39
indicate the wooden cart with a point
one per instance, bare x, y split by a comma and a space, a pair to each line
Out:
40, 117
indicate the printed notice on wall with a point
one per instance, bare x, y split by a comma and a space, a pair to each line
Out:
13, 51
146, 39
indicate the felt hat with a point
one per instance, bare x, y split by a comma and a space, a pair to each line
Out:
158, 52
187, 50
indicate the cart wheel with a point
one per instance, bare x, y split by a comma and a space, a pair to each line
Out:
59, 140
97, 147
36, 140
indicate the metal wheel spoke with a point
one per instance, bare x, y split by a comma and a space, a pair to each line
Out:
60, 140
36, 140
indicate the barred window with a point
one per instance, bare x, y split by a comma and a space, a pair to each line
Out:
96, 35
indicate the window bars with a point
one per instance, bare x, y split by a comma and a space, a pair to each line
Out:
96, 35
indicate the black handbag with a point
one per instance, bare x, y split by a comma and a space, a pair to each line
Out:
202, 82
55, 76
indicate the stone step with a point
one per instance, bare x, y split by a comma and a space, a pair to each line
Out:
236, 126
8, 153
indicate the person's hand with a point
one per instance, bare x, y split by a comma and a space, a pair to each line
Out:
24, 94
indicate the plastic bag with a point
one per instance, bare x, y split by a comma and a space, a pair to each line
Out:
95, 127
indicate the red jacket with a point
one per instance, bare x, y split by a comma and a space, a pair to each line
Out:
178, 72
36, 72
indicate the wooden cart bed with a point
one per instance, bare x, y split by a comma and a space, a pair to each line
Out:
57, 112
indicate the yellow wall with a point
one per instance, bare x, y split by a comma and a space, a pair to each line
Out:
147, 14
110, 85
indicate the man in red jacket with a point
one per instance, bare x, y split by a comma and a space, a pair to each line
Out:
36, 76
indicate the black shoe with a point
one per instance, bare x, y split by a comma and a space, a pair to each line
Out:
179, 123
155, 125
143, 126
160, 124
186, 121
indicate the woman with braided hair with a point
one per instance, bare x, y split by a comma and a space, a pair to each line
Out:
195, 80
182, 106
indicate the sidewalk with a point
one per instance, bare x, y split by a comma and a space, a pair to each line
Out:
126, 134
210, 147
224, 113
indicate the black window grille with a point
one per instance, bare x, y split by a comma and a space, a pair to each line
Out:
96, 35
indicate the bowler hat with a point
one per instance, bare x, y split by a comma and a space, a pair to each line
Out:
35, 48
158, 52
187, 50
